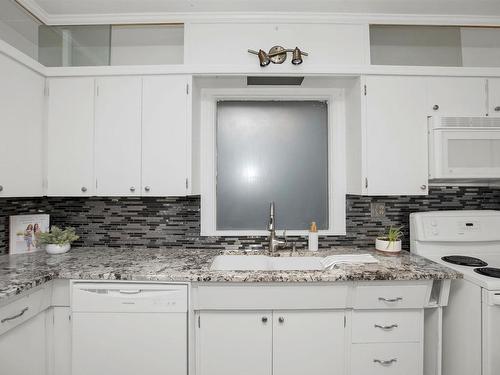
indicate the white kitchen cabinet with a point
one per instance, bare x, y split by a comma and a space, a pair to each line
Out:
23, 349
387, 144
494, 97
456, 96
21, 130
308, 342
166, 134
235, 342
70, 151
118, 136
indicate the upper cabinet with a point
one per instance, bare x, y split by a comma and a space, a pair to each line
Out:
21, 130
456, 96
70, 152
494, 97
387, 144
118, 136
166, 135
227, 43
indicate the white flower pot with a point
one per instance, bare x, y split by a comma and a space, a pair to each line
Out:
388, 246
57, 249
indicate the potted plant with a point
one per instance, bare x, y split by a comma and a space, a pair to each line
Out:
57, 240
391, 241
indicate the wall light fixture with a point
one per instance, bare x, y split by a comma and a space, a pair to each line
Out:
278, 54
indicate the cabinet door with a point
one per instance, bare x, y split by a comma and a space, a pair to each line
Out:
308, 342
22, 349
456, 96
118, 136
165, 146
71, 137
494, 97
21, 130
235, 342
396, 136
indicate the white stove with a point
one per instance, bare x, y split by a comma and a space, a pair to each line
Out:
469, 242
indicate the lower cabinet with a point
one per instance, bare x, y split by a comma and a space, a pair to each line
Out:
271, 342
23, 348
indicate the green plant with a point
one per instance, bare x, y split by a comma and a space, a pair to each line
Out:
58, 236
393, 234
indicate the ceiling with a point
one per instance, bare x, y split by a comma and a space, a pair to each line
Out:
59, 9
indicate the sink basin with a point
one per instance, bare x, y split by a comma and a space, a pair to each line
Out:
265, 263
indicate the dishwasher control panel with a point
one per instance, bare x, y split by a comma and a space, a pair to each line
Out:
128, 297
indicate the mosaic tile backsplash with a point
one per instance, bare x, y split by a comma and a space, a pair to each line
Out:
165, 222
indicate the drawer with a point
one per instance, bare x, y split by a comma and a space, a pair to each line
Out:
370, 326
387, 359
129, 297
23, 308
380, 296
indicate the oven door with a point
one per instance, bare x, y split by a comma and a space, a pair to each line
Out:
464, 153
491, 332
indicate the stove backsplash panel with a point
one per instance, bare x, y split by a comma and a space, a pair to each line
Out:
170, 222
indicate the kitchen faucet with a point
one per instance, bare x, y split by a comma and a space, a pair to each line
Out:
274, 243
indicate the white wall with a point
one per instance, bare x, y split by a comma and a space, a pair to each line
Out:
480, 46
147, 45
18, 28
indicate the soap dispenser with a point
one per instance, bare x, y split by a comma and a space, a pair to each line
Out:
313, 237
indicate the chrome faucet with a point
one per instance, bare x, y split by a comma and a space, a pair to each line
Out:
274, 243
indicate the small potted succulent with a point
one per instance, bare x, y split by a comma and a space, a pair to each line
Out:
57, 240
390, 242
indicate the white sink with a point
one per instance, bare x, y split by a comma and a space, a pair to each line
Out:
265, 263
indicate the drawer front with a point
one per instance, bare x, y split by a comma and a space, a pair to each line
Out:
391, 296
370, 326
24, 308
128, 297
387, 359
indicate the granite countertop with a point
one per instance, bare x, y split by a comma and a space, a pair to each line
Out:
22, 272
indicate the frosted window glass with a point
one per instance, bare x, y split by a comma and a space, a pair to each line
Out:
272, 151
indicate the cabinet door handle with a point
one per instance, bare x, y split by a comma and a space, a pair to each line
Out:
387, 362
84, 189
423, 187
264, 319
497, 108
132, 189
386, 328
147, 188
281, 320
391, 300
1, 188
14, 316
138, 291
435, 107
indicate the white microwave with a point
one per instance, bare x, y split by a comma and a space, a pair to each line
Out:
464, 148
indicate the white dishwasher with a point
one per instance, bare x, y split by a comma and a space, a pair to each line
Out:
121, 328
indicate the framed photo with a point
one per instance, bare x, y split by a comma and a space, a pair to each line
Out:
25, 230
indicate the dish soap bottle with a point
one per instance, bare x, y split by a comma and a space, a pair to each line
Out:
313, 237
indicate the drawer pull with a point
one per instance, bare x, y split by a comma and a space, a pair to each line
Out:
386, 328
391, 300
14, 316
385, 363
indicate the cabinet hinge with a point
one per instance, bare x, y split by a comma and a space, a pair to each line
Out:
364, 89
366, 182
199, 321
187, 88
345, 321
46, 90
187, 183
97, 90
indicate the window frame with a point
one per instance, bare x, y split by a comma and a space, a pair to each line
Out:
336, 153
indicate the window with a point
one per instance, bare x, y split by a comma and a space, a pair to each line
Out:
272, 144
272, 151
